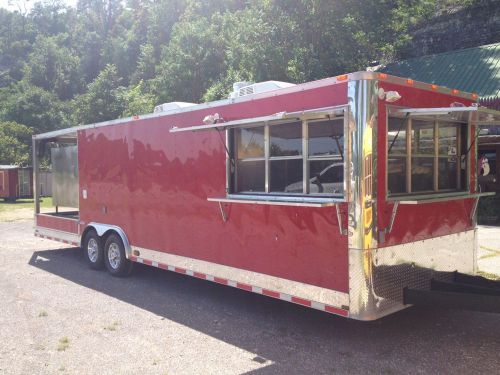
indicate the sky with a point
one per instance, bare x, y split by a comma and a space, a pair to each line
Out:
27, 4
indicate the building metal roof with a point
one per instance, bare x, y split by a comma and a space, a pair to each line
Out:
473, 70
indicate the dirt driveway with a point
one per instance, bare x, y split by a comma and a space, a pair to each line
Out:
57, 317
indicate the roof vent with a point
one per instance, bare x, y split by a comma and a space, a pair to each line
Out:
172, 106
247, 88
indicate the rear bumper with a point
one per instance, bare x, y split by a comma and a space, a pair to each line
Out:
377, 277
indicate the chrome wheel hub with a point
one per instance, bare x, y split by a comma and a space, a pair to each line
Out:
93, 250
114, 256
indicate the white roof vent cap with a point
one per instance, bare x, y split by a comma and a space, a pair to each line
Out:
172, 106
243, 88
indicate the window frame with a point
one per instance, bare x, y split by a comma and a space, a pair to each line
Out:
435, 192
232, 159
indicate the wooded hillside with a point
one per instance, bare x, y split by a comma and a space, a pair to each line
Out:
61, 66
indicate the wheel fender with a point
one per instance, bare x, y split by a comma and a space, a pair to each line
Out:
102, 229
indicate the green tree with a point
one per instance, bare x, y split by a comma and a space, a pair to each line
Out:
102, 101
15, 143
193, 60
136, 101
54, 68
34, 107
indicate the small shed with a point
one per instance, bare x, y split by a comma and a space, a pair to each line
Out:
15, 182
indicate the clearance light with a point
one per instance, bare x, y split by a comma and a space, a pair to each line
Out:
474, 95
342, 77
410, 81
434, 87
455, 91
382, 76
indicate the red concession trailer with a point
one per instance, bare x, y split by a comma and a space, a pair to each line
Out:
351, 194
15, 182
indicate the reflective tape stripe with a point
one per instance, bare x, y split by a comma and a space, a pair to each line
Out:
57, 239
246, 287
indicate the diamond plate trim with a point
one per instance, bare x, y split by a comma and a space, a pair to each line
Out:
377, 276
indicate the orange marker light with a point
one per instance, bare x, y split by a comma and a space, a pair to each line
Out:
474, 95
410, 81
434, 87
382, 76
342, 77
455, 91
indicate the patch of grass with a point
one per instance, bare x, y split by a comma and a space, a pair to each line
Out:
63, 344
24, 203
112, 327
42, 314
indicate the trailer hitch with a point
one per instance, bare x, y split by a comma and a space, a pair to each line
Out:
464, 292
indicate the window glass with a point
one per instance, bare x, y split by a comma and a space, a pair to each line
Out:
276, 164
326, 138
250, 176
447, 140
250, 142
397, 175
447, 173
286, 139
396, 137
286, 176
422, 138
326, 177
422, 172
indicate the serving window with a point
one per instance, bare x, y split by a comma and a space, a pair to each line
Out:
289, 158
425, 155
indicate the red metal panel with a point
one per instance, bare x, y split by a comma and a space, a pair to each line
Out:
9, 181
155, 185
418, 222
57, 223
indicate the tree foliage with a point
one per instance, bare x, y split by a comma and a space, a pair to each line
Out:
62, 66
15, 141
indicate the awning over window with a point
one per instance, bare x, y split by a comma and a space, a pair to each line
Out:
302, 115
477, 115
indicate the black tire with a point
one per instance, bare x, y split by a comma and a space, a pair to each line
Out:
93, 250
115, 258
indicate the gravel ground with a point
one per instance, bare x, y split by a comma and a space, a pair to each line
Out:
57, 317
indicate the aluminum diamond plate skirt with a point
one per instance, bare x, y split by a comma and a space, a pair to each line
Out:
377, 277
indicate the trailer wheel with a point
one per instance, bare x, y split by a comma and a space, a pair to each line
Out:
93, 251
114, 257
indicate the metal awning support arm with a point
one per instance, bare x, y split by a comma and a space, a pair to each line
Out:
339, 218
478, 115
222, 212
474, 209
393, 217
301, 115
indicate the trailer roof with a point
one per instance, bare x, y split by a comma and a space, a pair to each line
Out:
71, 133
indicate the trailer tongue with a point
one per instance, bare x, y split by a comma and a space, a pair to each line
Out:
354, 195
464, 292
